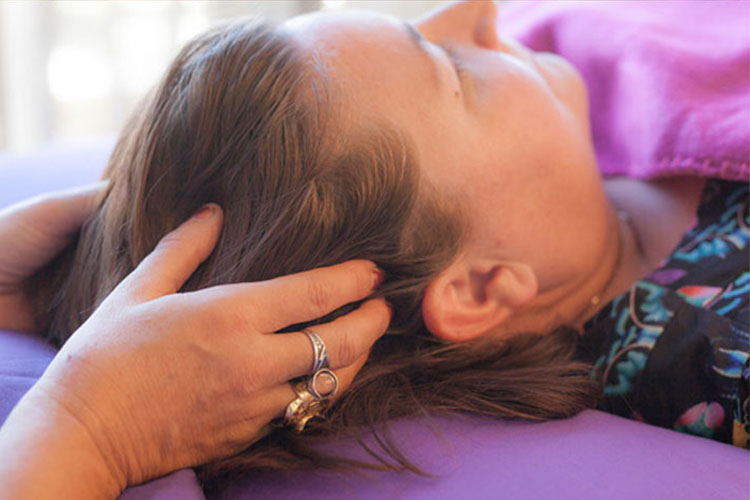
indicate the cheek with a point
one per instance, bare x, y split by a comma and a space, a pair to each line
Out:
547, 84
565, 81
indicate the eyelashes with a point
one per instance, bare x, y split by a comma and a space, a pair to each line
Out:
458, 65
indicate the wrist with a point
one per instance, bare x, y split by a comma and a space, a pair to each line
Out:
46, 453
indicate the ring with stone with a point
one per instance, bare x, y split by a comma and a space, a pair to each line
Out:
323, 384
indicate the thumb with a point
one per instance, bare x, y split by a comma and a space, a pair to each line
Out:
175, 258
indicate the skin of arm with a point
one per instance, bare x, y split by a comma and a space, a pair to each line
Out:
44, 451
46, 454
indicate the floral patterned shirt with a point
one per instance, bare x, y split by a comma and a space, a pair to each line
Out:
674, 350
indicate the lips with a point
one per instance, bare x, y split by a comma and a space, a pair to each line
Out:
517, 50
526, 55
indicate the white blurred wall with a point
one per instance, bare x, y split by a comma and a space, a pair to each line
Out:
71, 70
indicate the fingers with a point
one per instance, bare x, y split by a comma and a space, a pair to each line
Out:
347, 338
175, 257
41, 226
297, 298
59, 212
280, 396
73, 207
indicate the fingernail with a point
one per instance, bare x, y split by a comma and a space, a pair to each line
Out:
205, 211
378, 277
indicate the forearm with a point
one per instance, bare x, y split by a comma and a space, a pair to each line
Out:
45, 454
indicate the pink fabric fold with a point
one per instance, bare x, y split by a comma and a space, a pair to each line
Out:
669, 81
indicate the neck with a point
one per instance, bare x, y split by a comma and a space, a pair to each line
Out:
619, 269
622, 262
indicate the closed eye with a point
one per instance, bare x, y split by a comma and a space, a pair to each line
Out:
455, 59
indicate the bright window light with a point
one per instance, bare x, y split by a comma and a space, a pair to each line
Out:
78, 73
333, 4
142, 45
190, 25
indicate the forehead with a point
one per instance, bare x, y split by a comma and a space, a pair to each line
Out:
373, 71
366, 56
342, 34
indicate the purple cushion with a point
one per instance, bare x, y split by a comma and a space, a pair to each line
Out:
50, 168
594, 455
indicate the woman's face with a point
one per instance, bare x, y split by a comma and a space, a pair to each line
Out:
508, 134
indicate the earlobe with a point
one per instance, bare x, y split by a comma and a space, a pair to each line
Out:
471, 298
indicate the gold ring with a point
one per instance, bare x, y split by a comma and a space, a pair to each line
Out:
304, 407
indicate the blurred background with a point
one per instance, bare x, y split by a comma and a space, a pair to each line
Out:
70, 71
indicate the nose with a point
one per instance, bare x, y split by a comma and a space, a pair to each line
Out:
468, 23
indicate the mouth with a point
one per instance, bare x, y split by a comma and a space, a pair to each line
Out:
519, 51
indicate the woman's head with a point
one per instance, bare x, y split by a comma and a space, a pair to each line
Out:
506, 138
249, 118
243, 119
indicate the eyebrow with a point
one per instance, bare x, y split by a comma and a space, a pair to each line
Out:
418, 42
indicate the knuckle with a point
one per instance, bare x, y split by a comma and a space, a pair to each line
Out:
254, 377
169, 280
172, 241
319, 297
347, 351
224, 318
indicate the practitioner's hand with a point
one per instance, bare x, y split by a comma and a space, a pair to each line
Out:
162, 380
32, 232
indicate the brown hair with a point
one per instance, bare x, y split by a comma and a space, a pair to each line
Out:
243, 120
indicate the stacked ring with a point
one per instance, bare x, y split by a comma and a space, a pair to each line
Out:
310, 398
323, 375
320, 353
303, 408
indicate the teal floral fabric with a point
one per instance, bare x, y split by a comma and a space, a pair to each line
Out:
674, 350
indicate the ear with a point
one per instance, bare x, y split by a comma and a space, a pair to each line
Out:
474, 296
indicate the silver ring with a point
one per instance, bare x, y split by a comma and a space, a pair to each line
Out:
313, 381
320, 353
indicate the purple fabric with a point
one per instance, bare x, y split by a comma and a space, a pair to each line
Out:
179, 485
23, 359
50, 168
668, 81
594, 455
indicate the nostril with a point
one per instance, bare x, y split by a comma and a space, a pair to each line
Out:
485, 25
485, 35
